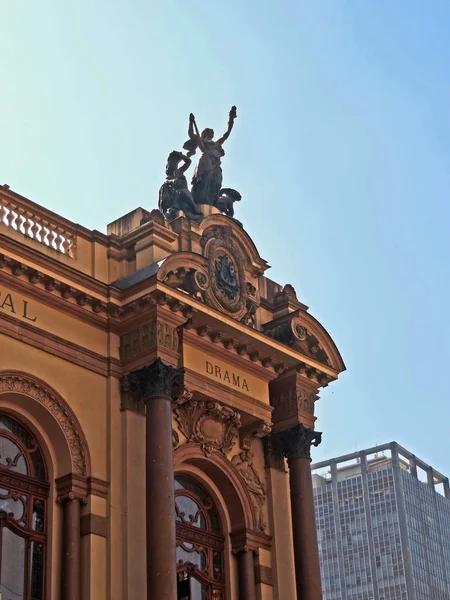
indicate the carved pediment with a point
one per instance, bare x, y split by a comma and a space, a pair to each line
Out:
224, 276
292, 331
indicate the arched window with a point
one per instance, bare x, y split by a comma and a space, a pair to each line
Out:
200, 543
23, 502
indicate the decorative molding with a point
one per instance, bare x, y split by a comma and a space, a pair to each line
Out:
263, 575
72, 486
227, 289
243, 463
155, 334
213, 426
297, 442
290, 400
175, 439
130, 397
25, 485
91, 524
290, 330
273, 454
256, 430
248, 539
154, 380
98, 487
57, 346
29, 386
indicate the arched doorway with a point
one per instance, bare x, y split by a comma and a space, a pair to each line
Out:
200, 543
23, 513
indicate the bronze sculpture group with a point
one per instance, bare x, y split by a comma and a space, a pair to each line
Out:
174, 194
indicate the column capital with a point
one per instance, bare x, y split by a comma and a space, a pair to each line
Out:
156, 379
72, 487
297, 442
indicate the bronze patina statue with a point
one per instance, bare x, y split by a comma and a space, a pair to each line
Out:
174, 194
207, 179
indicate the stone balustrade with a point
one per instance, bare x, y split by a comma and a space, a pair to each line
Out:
23, 219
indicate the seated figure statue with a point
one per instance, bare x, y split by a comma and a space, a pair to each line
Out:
227, 197
174, 194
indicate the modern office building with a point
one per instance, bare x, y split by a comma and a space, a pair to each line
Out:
383, 520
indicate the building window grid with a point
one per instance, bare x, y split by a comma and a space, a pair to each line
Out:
389, 561
328, 548
427, 529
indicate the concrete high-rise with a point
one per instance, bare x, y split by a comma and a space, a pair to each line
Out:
383, 520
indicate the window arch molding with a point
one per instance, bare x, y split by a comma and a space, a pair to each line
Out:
25, 512
54, 415
198, 477
218, 470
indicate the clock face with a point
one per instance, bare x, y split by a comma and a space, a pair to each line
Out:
226, 276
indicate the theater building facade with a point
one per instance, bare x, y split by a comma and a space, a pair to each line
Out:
157, 397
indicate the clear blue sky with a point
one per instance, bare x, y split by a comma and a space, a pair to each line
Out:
341, 151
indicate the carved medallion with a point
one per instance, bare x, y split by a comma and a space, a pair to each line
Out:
213, 426
226, 271
226, 276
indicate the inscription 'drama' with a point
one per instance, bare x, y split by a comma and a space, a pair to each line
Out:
9, 303
227, 376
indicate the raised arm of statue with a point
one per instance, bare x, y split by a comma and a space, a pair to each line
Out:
232, 117
186, 163
194, 140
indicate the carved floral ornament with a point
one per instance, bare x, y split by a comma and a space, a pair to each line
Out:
59, 410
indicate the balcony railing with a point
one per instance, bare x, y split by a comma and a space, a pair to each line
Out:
27, 220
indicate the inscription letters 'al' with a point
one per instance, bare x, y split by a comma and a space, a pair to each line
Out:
228, 376
9, 304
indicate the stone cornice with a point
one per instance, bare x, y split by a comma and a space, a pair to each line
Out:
72, 486
57, 346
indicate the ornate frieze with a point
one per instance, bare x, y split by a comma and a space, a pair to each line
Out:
213, 426
291, 401
155, 334
273, 453
297, 442
243, 463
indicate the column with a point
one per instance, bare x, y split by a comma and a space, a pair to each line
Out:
446, 485
296, 446
71, 571
247, 588
154, 383
72, 489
